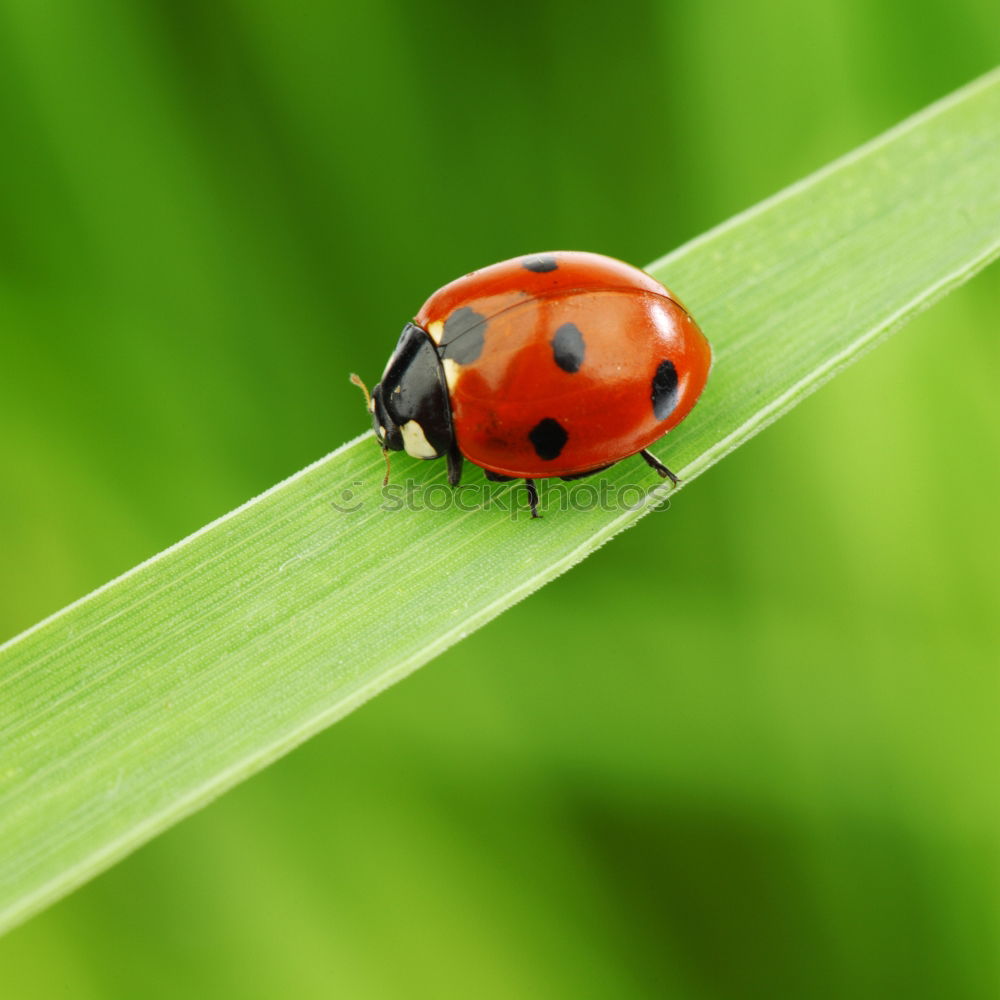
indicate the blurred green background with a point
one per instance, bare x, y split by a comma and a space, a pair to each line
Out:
747, 750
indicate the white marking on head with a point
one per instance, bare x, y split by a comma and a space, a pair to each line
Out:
435, 330
414, 441
452, 370
381, 432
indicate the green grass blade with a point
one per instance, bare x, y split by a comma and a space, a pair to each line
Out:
141, 702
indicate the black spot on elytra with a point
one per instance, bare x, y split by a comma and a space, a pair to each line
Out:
462, 337
549, 438
664, 391
567, 347
540, 263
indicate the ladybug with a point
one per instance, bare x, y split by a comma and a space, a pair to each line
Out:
554, 364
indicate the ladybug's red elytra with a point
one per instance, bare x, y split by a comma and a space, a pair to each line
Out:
554, 364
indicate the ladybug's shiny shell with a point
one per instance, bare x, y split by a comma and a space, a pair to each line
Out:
562, 363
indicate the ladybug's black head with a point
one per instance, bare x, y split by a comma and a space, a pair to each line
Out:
385, 427
410, 408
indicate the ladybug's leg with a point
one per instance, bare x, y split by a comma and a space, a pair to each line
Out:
655, 463
454, 466
497, 477
583, 475
532, 497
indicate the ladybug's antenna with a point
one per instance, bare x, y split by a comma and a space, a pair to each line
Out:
356, 380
